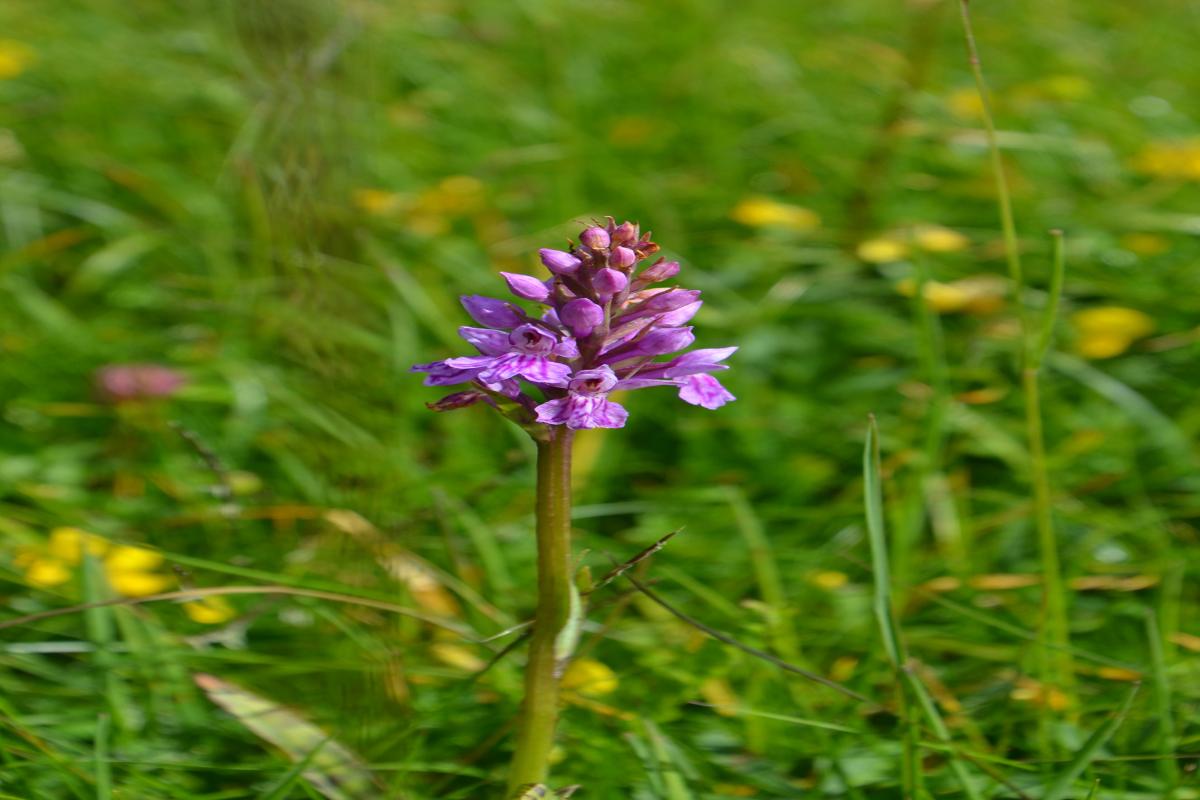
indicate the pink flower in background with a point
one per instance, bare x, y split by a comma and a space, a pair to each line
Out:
121, 383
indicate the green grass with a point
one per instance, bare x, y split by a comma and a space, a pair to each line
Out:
184, 183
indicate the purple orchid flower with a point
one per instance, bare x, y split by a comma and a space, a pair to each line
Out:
602, 327
586, 404
688, 372
526, 352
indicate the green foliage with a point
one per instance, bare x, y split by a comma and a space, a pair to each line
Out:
283, 200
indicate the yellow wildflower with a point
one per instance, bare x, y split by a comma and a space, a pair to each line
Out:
1171, 159
14, 58
131, 571
590, 678
67, 544
46, 573
211, 610
829, 579
138, 584
882, 251
1108, 331
946, 297
123, 558
376, 201
980, 294
763, 212
937, 239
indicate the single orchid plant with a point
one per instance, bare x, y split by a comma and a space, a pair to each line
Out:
602, 322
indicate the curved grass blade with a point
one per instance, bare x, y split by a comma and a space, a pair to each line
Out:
331, 768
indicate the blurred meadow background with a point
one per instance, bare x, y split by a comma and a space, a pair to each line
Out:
279, 201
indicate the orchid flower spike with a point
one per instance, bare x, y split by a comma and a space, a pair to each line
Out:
601, 326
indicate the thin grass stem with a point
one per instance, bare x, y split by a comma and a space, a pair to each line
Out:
1055, 664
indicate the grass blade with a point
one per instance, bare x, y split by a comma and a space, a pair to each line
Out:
1168, 767
333, 769
890, 631
1090, 749
100, 759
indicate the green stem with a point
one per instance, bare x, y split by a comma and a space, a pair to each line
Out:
539, 712
1055, 590
1055, 622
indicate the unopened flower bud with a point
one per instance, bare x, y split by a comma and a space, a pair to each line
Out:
457, 400
608, 282
582, 316
526, 286
558, 262
622, 258
595, 238
659, 271
625, 233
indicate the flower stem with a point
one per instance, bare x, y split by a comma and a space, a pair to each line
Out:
539, 712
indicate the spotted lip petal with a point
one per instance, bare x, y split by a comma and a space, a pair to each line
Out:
580, 412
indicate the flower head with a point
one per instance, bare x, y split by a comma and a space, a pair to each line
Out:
602, 327
122, 383
1108, 331
130, 571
